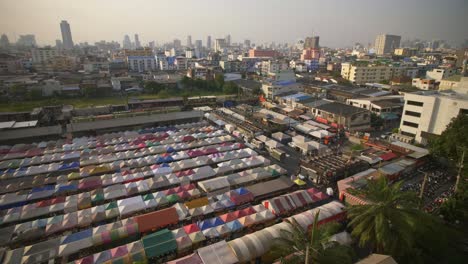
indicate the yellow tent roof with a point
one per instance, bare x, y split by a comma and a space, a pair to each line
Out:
299, 182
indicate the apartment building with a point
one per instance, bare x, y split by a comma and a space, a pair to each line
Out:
141, 63
429, 113
362, 73
423, 84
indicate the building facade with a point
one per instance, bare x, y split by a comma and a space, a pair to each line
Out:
386, 44
429, 113
141, 63
67, 39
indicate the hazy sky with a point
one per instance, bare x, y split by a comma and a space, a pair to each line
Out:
338, 22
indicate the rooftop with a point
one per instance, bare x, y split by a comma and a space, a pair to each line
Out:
340, 109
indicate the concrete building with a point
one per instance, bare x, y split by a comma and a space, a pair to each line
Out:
28, 40
247, 44
189, 53
339, 114
220, 44
228, 40
230, 66
40, 55
67, 39
4, 42
189, 41
311, 42
272, 66
281, 82
208, 42
379, 105
429, 113
424, 84
122, 83
95, 66
137, 42
386, 44
177, 44
440, 73
10, 64
362, 73
405, 52
138, 52
127, 43
141, 63
258, 53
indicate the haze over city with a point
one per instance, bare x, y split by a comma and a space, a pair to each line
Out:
339, 23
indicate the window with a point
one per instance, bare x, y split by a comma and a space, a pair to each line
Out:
410, 124
412, 113
408, 134
415, 103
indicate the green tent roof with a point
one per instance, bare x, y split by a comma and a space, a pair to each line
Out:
159, 243
173, 198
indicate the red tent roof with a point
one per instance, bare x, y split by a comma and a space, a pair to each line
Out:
388, 156
192, 228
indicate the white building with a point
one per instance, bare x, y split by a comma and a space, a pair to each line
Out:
141, 63
379, 105
439, 74
429, 113
423, 84
95, 66
281, 82
43, 54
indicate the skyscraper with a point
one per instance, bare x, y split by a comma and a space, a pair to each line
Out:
247, 43
220, 44
208, 42
58, 44
198, 44
4, 42
177, 44
311, 42
385, 44
189, 41
228, 40
127, 43
137, 42
66, 35
28, 40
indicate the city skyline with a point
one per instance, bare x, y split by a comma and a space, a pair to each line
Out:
280, 22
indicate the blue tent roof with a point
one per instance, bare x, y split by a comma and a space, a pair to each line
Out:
216, 221
164, 165
78, 236
241, 191
65, 188
43, 188
234, 225
160, 160
168, 159
170, 149
209, 223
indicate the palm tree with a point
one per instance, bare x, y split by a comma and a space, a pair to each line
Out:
388, 222
299, 246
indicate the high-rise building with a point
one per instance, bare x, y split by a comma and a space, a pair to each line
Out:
151, 44
26, 40
58, 44
67, 39
385, 44
127, 43
4, 42
137, 42
208, 42
177, 43
220, 44
189, 41
198, 44
311, 42
247, 43
228, 40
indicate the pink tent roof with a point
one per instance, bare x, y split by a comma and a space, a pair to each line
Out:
119, 251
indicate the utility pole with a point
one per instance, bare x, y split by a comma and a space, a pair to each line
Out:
460, 167
421, 192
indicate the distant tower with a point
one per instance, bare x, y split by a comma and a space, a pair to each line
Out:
386, 44
312, 42
208, 42
58, 45
189, 41
228, 40
66, 35
247, 43
137, 42
127, 44
4, 42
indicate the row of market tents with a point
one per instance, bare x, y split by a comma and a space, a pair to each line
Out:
196, 130
76, 182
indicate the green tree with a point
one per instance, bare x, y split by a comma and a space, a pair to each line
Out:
34, 94
392, 224
230, 88
298, 246
256, 90
18, 90
452, 141
219, 79
153, 87
376, 121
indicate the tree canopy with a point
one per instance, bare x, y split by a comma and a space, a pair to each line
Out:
453, 140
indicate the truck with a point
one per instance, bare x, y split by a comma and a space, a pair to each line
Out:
278, 154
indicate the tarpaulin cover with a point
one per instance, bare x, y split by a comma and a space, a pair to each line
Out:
157, 219
234, 225
218, 253
190, 259
159, 243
